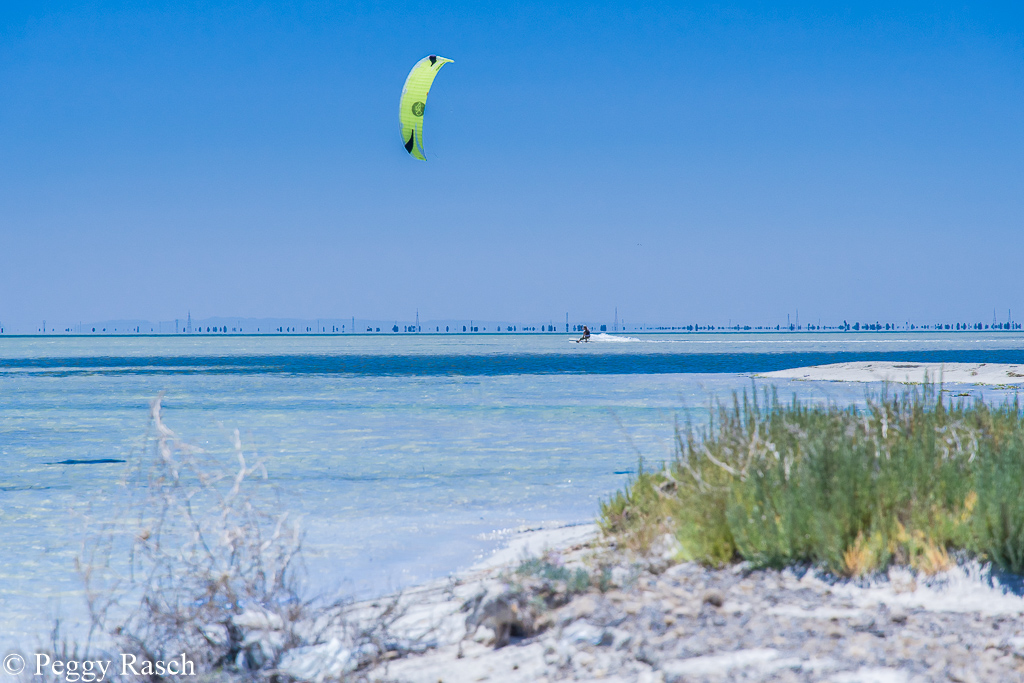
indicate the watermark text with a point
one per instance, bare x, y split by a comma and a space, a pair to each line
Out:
97, 670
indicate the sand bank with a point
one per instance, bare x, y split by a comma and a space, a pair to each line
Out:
906, 373
660, 622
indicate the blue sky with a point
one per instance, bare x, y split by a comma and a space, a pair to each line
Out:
692, 164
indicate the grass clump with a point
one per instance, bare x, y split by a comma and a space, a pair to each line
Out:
908, 479
544, 583
560, 577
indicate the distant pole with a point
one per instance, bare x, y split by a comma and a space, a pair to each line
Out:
616, 318
566, 322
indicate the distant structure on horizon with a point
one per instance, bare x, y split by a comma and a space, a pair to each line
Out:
353, 325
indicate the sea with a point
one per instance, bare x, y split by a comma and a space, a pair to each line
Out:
406, 457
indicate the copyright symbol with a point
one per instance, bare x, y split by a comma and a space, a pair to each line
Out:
14, 664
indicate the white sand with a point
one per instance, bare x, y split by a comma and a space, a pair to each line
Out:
965, 589
436, 613
907, 373
534, 542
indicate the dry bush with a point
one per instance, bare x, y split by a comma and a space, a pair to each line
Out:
193, 564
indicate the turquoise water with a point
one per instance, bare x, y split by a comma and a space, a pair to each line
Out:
404, 454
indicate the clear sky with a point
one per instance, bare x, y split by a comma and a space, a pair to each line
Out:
694, 165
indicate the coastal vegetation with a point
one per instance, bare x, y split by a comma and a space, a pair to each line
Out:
913, 478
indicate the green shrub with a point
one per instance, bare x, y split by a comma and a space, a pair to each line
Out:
574, 580
999, 481
641, 513
906, 479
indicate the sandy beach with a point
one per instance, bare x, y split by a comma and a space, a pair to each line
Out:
907, 373
663, 621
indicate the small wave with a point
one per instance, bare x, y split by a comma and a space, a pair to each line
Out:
605, 337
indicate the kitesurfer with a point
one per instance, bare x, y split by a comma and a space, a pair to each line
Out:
586, 335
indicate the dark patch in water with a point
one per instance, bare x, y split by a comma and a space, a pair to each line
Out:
495, 364
97, 461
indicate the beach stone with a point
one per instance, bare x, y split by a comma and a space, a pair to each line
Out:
258, 620
648, 675
872, 675
620, 638
1016, 646
902, 579
580, 608
622, 576
217, 634
663, 553
319, 662
581, 632
559, 654
584, 659
713, 597
960, 675
717, 664
681, 570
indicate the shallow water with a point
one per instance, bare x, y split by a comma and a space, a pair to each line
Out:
404, 454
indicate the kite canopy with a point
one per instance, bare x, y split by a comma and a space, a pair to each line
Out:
414, 101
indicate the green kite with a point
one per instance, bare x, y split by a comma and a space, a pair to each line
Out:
414, 101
